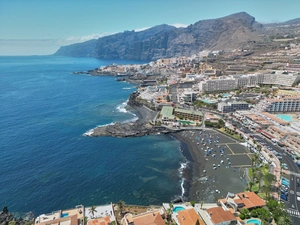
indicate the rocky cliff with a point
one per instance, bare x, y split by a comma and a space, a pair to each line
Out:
167, 41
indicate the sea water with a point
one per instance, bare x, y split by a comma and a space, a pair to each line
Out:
47, 163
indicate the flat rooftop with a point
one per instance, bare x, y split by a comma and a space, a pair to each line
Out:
167, 111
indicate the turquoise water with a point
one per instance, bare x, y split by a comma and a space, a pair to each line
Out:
47, 164
64, 215
226, 95
186, 121
285, 117
206, 101
254, 221
178, 208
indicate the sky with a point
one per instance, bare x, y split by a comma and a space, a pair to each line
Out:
40, 27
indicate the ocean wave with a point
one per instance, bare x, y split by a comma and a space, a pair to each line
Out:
127, 88
122, 108
182, 187
183, 167
91, 131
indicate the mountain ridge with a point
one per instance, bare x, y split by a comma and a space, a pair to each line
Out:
165, 41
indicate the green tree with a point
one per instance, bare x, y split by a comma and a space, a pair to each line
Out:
121, 206
197, 223
221, 123
259, 176
92, 210
270, 178
202, 203
251, 183
246, 213
266, 189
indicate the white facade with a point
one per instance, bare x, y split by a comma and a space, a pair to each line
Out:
225, 84
283, 105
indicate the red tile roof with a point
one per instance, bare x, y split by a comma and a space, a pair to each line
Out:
189, 217
219, 215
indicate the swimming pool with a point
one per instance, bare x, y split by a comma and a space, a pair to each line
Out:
206, 101
186, 122
285, 117
63, 215
254, 221
178, 208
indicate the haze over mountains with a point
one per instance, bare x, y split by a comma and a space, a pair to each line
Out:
164, 41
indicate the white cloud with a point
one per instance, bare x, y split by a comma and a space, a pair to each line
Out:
177, 25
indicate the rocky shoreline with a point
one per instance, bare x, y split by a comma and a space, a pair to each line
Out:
139, 128
134, 129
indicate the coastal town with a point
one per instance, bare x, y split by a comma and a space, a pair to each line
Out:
150, 113
238, 112
252, 99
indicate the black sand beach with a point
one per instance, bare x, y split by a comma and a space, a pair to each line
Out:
204, 182
207, 183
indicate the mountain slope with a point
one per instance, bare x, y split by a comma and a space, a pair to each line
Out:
165, 41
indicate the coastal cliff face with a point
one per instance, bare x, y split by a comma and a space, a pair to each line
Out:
166, 41
7, 218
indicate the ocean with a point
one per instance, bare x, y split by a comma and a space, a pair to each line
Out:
47, 163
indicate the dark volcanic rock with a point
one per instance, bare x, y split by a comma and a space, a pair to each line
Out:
6, 217
132, 100
128, 130
166, 41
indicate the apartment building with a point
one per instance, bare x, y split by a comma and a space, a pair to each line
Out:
287, 104
226, 107
188, 114
217, 85
238, 81
279, 79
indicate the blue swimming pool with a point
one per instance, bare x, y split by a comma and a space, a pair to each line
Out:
63, 215
285, 117
178, 208
206, 101
254, 221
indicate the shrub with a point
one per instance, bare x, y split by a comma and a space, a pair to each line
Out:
242, 216
253, 213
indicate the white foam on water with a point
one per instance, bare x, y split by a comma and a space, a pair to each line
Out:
181, 169
91, 131
127, 88
182, 188
122, 107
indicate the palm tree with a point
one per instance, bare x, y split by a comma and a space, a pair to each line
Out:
201, 203
92, 210
121, 205
254, 158
259, 176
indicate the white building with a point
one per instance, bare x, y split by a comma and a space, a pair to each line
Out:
217, 85
287, 104
226, 107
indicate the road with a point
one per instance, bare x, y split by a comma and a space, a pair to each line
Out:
292, 205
